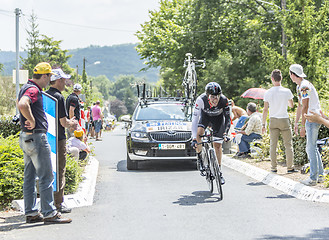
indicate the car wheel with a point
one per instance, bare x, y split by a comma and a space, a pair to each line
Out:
131, 165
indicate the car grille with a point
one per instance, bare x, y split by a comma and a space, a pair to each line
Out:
171, 137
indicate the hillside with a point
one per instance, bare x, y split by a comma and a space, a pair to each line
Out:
112, 61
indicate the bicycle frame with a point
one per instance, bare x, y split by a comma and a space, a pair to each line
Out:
190, 77
213, 171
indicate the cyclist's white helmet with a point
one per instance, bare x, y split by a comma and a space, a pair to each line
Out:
213, 88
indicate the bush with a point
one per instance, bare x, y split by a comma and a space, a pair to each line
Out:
73, 175
323, 132
11, 170
299, 145
7, 127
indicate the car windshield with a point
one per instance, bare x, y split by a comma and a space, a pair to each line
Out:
166, 111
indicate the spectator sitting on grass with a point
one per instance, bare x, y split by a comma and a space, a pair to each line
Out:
77, 146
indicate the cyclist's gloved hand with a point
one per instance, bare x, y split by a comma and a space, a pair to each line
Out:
194, 143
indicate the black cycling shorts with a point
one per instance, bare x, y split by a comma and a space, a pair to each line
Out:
216, 122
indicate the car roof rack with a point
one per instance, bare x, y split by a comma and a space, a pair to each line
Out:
143, 99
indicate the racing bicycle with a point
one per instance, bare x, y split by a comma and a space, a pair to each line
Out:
190, 77
211, 169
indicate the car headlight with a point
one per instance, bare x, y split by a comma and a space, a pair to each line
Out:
142, 136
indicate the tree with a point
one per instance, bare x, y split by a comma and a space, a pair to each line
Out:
124, 89
241, 41
41, 48
118, 108
207, 28
103, 84
306, 27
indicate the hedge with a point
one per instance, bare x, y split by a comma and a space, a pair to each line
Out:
12, 171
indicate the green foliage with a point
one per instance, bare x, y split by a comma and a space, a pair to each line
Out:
299, 145
73, 175
326, 181
103, 84
240, 39
124, 89
7, 127
11, 170
263, 145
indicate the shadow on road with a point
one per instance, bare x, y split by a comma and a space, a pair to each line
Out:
198, 197
319, 234
158, 166
281, 196
254, 184
16, 222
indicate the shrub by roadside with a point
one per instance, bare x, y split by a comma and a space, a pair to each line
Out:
12, 171
7, 127
73, 175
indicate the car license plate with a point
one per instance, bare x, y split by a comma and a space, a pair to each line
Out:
175, 146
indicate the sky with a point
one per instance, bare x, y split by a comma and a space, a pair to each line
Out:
78, 23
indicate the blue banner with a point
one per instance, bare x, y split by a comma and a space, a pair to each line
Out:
50, 107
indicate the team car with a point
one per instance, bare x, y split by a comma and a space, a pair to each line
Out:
160, 129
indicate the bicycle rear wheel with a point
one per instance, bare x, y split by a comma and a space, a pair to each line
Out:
209, 177
216, 172
193, 86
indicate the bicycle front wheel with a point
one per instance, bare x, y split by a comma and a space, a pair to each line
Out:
216, 172
206, 164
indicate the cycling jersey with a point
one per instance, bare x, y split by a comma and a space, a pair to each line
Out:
204, 115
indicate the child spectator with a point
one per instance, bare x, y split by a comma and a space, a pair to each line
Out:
77, 146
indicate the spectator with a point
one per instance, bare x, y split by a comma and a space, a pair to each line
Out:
97, 118
34, 143
277, 99
73, 106
77, 146
239, 114
308, 100
57, 85
237, 111
87, 114
252, 131
82, 121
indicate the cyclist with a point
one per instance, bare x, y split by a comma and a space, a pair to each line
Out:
211, 109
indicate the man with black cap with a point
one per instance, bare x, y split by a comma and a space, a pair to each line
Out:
57, 85
73, 106
308, 101
34, 143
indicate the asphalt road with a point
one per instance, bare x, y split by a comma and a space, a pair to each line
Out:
169, 200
